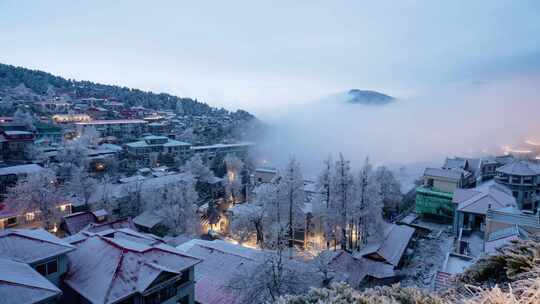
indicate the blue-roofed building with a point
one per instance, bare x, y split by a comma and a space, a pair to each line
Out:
155, 150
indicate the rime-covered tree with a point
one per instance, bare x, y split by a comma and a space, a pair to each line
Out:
25, 118
344, 198
198, 169
324, 214
74, 154
37, 194
175, 205
390, 188
291, 196
233, 178
81, 185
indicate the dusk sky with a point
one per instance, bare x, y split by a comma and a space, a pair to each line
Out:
263, 56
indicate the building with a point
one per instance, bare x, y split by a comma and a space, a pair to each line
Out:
48, 132
523, 179
126, 129
78, 221
97, 112
9, 176
165, 150
219, 151
472, 205
482, 169
20, 283
130, 268
52, 106
220, 263
16, 145
264, 175
70, 118
41, 250
392, 248
434, 196
509, 217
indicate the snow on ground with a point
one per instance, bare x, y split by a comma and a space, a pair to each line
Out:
428, 257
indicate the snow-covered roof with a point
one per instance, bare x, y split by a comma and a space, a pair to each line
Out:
145, 143
77, 221
119, 233
112, 122
31, 245
19, 283
123, 267
455, 163
521, 168
21, 169
452, 174
504, 236
117, 191
480, 199
391, 249
14, 132
100, 213
221, 146
147, 219
221, 262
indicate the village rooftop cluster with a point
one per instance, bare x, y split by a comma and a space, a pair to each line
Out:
107, 203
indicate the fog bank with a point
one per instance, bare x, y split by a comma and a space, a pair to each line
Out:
468, 120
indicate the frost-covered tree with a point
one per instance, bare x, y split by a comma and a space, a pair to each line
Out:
198, 169
291, 196
135, 201
390, 188
37, 194
233, 178
343, 199
270, 279
175, 205
81, 185
89, 136
74, 154
25, 118
247, 225
323, 214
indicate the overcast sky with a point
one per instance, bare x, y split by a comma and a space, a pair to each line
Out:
265, 55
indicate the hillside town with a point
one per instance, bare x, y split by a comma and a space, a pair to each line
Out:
107, 203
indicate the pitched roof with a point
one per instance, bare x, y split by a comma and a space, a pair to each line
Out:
503, 237
77, 221
455, 163
521, 168
21, 169
123, 267
31, 245
221, 261
393, 246
148, 219
19, 283
480, 199
452, 174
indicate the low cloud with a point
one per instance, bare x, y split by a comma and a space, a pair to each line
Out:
469, 120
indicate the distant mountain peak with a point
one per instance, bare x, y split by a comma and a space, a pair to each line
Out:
368, 97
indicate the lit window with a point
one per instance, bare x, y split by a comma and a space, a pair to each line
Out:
30, 216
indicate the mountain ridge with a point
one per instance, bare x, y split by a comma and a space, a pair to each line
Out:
368, 97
